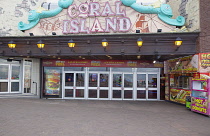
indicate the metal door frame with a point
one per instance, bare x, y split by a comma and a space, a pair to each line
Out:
74, 87
122, 88
98, 88
9, 80
147, 88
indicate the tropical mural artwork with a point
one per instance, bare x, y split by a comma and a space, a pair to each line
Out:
100, 16
163, 11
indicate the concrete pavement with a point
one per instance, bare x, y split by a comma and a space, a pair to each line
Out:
41, 117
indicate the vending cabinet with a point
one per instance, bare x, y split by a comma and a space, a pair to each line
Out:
200, 96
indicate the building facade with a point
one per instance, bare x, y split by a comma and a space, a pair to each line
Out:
70, 61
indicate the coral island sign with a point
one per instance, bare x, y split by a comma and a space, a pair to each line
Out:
119, 23
101, 17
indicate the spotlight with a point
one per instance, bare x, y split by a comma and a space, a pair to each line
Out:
159, 30
138, 31
31, 34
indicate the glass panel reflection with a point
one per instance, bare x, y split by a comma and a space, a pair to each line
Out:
122, 69
93, 78
14, 86
92, 94
104, 80
80, 93
4, 71
141, 80
128, 94
128, 80
27, 75
80, 79
103, 94
117, 94
117, 80
69, 79
3, 87
141, 94
69, 93
99, 69
152, 94
152, 80
15, 72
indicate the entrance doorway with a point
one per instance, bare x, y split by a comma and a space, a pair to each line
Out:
147, 86
122, 86
74, 85
112, 84
98, 85
9, 78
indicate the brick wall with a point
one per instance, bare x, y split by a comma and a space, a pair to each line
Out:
204, 38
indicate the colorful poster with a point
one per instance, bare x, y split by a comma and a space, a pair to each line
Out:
52, 82
199, 105
179, 95
186, 64
204, 62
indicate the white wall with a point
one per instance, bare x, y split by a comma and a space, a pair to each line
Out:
35, 76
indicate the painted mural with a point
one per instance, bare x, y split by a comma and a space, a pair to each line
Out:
96, 16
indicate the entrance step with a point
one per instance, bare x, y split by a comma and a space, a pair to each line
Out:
19, 96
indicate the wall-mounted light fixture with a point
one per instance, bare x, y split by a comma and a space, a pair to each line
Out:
12, 45
178, 43
53, 33
139, 43
40, 45
71, 44
104, 43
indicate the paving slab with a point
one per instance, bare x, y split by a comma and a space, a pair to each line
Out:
47, 117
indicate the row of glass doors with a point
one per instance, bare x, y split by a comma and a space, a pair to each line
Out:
111, 85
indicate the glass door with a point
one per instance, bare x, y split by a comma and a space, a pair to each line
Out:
74, 87
15, 79
4, 78
128, 86
27, 76
122, 86
147, 86
98, 85
142, 86
117, 86
153, 86
9, 78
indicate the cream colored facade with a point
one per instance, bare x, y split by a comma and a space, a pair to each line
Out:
14, 11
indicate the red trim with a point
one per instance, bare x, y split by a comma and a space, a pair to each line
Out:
100, 63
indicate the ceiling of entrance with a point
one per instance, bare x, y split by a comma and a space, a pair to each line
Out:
159, 46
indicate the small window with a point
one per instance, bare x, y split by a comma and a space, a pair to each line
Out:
183, 82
